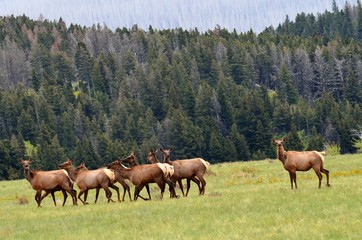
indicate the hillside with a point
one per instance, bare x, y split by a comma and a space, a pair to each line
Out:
168, 14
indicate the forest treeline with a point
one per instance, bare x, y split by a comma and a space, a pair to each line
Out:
93, 94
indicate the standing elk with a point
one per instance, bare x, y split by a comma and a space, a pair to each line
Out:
142, 175
90, 179
301, 161
49, 181
189, 169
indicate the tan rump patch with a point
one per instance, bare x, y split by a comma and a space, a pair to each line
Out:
163, 168
320, 154
110, 174
206, 163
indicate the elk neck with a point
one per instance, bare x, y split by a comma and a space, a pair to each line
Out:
281, 153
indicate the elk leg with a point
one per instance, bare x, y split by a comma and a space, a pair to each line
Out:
181, 187
108, 193
97, 194
53, 197
148, 191
161, 185
326, 172
117, 190
86, 195
80, 194
319, 178
72, 193
136, 192
188, 183
293, 178
171, 186
65, 196
46, 194
203, 184
195, 180
38, 197
125, 188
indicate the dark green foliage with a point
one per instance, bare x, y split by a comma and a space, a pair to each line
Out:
95, 95
294, 142
315, 141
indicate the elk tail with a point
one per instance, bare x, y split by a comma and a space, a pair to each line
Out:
206, 163
321, 155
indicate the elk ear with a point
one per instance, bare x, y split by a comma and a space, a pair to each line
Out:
171, 149
30, 160
285, 139
273, 140
156, 151
161, 149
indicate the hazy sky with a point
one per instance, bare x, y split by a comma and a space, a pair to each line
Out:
160, 14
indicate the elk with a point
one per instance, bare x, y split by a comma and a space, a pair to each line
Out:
65, 195
152, 158
166, 168
301, 161
142, 175
90, 179
49, 181
189, 169
113, 180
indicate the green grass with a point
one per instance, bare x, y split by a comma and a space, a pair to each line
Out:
243, 200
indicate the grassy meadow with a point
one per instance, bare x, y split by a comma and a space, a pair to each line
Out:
243, 200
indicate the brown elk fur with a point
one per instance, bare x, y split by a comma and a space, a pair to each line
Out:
112, 177
294, 161
89, 179
142, 175
168, 169
187, 169
131, 160
49, 181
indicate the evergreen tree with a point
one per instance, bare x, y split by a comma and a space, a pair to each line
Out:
359, 20
347, 139
26, 126
287, 90
294, 142
185, 137
216, 153
240, 144
315, 141
353, 92
84, 65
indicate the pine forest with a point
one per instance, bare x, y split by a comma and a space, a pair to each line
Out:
93, 95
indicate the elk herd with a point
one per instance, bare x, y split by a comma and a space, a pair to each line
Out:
167, 173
